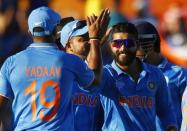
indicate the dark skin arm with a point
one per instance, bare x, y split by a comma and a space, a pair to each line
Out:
3, 108
95, 26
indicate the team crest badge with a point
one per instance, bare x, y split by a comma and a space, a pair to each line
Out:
151, 85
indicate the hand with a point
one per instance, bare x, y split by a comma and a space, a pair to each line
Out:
97, 25
105, 37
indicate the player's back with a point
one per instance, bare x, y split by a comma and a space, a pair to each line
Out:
41, 86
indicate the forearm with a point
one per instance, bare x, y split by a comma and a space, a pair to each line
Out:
94, 60
3, 107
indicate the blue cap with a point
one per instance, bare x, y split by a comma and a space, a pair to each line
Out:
45, 18
74, 28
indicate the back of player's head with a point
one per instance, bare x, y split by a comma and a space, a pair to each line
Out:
71, 29
62, 23
58, 28
42, 21
125, 27
148, 34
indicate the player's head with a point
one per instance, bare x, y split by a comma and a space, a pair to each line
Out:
42, 22
124, 43
74, 38
58, 28
149, 39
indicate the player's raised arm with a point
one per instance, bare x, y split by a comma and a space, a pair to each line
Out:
96, 29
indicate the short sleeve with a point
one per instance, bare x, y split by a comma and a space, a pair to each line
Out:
5, 87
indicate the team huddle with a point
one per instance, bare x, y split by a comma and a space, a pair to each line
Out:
59, 82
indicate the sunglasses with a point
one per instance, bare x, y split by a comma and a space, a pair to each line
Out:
128, 43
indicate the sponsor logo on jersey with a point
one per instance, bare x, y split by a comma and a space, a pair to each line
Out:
151, 85
85, 99
136, 101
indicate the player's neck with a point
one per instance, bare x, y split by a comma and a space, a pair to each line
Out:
133, 69
155, 59
46, 39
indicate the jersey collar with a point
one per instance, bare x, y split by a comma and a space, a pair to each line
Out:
43, 45
119, 71
163, 63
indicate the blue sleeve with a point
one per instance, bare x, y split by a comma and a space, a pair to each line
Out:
182, 83
164, 106
84, 75
5, 87
184, 111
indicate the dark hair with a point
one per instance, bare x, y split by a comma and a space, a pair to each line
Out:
59, 26
57, 29
38, 29
125, 27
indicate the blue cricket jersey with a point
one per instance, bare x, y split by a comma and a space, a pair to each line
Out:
176, 81
39, 82
131, 106
87, 109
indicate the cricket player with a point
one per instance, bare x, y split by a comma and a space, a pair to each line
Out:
39, 80
134, 92
76, 39
175, 76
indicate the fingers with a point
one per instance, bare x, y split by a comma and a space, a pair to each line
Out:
93, 18
104, 16
88, 21
108, 32
106, 36
101, 15
106, 22
98, 25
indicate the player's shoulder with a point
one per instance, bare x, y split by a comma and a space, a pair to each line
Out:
154, 70
176, 68
11, 59
109, 72
107, 69
72, 59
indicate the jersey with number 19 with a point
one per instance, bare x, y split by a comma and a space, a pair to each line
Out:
39, 82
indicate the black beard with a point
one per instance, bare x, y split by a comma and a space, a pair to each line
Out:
130, 58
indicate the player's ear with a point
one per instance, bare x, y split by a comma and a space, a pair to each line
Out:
30, 35
69, 48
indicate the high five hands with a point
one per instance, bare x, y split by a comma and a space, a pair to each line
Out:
97, 26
